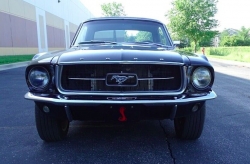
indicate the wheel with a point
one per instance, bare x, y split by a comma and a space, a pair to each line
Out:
49, 128
190, 127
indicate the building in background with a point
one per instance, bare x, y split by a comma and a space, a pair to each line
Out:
32, 26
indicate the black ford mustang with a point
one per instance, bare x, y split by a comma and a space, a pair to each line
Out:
121, 69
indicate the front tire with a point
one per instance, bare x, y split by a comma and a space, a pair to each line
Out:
49, 128
191, 126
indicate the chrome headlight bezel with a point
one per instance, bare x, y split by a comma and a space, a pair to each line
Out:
201, 78
38, 72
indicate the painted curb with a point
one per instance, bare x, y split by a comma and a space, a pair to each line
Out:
230, 62
13, 65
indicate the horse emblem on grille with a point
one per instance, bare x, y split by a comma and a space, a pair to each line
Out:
121, 79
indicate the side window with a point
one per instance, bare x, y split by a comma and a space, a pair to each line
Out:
104, 35
144, 36
162, 37
110, 35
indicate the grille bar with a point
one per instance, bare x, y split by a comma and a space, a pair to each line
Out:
73, 78
105, 79
166, 78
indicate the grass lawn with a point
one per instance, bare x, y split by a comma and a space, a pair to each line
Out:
14, 58
240, 58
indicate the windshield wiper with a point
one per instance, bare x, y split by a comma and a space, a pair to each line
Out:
97, 42
153, 44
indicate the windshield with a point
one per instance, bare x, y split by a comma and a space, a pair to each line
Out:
123, 31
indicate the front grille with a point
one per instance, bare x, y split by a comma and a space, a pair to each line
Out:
92, 77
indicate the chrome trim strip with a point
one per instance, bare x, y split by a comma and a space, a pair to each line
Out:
73, 78
151, 78
121, 62
58, 70
86, 78
61, 101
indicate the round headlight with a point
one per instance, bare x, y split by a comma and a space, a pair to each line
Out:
201, 78
39, 77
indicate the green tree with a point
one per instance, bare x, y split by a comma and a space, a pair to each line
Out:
226, 39
244, 33
193, 19
206, 40
113, 9
184, 41
232, 37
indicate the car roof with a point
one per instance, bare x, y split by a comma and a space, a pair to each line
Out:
122, 18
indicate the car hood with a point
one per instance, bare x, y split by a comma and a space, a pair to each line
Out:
80, 55
121, 55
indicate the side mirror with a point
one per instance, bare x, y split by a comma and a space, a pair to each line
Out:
177, 43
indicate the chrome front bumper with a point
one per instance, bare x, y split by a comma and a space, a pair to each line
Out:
59, 100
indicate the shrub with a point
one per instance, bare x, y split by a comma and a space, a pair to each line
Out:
239, 53
187, 49
220, 51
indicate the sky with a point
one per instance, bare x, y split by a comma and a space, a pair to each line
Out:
230, 14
